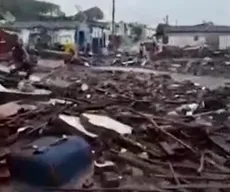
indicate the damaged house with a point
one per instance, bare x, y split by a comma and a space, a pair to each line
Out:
215, 36
61, 31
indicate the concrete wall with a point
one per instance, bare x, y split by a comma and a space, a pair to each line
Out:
149, 32
63, 35
24, 35
224, 41
107, 33
213, 40
218, 41
182, 40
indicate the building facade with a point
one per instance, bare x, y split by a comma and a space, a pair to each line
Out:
217, 37
62, 31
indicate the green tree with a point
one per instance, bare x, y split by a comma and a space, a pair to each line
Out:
90, 14
29, 9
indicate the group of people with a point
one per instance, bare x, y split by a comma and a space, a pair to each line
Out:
25, 59
147, 50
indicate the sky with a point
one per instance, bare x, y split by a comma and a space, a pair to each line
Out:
152, 12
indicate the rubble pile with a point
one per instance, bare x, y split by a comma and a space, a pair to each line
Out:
147, 133
191, 51
152, 131
215, 64
192, 60
196, 66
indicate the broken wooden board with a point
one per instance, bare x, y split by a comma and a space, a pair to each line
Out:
76, 125
14, 94
100, 123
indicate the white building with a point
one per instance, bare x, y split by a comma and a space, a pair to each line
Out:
125, 29
60, 31
149, 32
214, 36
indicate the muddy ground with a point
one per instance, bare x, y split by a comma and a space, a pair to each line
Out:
207, 81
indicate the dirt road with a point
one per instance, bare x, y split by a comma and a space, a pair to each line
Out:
207, 81
210, 82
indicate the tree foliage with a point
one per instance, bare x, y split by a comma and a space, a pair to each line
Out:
29, 9
90, 14
80, 16
40, 10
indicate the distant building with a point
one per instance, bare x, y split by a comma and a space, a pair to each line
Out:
62, 31
215, 36
149, 32
125, 29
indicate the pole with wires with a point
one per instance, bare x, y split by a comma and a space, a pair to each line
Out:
113, 24
113, 18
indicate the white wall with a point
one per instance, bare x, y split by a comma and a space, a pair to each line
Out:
63, 35
150, 32
57, 36
224, 41
24, 35
183, 40
107, 33
97, 32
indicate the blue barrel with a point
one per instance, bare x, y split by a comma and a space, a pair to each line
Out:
54, 163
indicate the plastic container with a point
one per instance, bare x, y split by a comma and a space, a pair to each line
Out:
51, 161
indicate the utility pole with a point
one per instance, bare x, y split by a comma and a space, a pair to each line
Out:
113, 18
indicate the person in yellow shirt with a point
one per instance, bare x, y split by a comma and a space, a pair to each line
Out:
67, 47
72, 50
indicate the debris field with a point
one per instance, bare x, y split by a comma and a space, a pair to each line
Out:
147, 132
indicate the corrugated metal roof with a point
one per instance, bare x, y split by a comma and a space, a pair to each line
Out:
51, 24
203, 28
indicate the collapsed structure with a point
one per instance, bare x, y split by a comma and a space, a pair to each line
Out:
145, 132
89, 129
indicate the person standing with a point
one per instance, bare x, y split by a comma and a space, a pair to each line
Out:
72, 51
21, 59
141, 50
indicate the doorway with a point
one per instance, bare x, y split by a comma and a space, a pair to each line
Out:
81, 39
